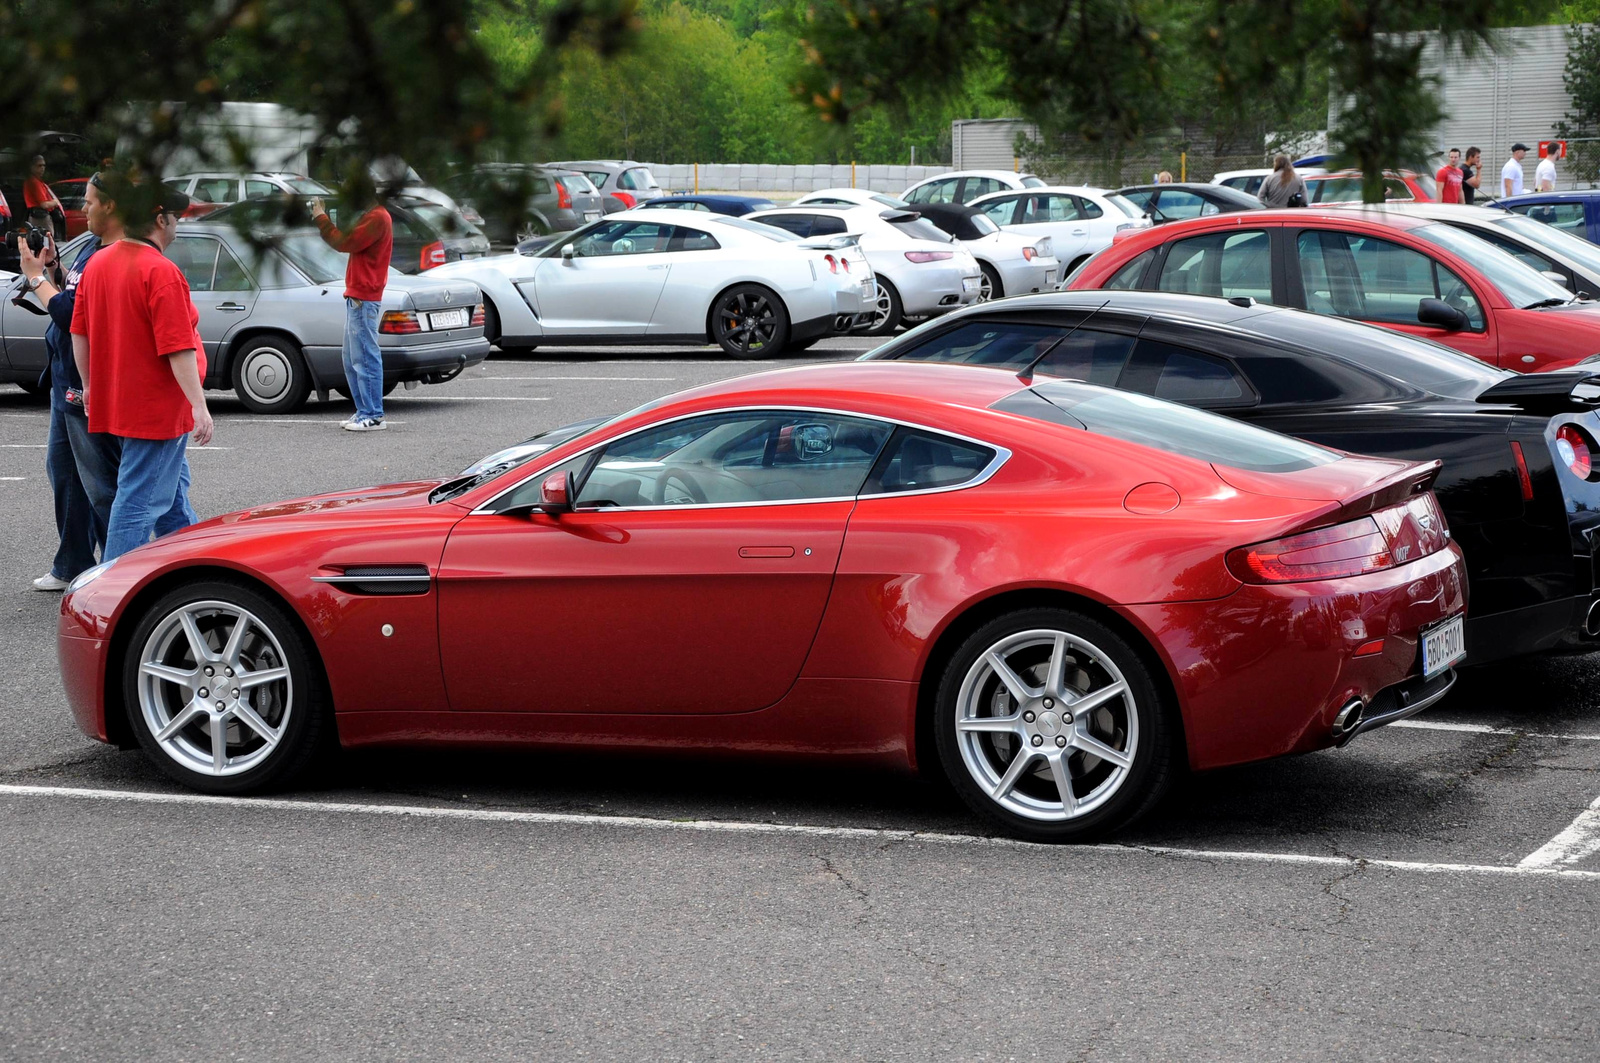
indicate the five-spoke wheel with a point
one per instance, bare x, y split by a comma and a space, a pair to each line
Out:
1050, 723
221, 690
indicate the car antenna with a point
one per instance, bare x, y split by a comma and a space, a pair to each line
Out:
1026, 375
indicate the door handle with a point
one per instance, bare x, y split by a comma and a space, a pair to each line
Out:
230, 307
663, 266
766, 551
1080, 232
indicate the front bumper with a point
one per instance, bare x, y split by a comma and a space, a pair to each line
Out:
429, 362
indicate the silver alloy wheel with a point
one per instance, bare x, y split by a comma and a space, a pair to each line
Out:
266, 374
881, 308
214, 688
985, 287
1047, 725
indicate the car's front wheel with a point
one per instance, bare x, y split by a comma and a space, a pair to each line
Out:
270, 376
749, 321
1050, 725
222, 689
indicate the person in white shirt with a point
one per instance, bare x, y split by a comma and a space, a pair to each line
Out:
1511, 172
1544, 178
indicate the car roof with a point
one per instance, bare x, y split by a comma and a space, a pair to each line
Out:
1003, 175
697, 197
1369, 213
1435, 211
1539, 197
1076, 190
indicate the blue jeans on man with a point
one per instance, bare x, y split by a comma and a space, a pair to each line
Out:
150, 493
363, 360
78, 527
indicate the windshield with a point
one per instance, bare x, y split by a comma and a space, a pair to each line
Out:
888, 201
1032, 182
312, 257
1521, 285
1125, 205
305, 186
922, 229
1562, 244
771, 232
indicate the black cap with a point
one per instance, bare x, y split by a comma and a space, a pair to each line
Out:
172, 201
1519, 146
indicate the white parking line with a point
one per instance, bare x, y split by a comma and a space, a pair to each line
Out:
482, 398
484, 815
655, 378
294, 420
41, 446
1485, 729
13, 477
1581, 839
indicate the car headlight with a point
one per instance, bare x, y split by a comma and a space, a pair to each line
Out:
88, 576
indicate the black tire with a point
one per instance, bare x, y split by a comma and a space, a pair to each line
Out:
992, 288
33, 390
297, 706
890, 310
269, 375
1080, 260
749, 321
979, 761
491, 332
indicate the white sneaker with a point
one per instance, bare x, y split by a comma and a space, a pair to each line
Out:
368, 424
48, 582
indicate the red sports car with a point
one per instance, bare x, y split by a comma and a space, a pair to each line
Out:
1055, 591
1401, 271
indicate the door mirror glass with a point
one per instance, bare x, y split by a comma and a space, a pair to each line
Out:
1440, 314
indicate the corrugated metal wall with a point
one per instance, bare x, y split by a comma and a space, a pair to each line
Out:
986, 143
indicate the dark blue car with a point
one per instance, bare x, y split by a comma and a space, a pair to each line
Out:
733, 206
1576, 212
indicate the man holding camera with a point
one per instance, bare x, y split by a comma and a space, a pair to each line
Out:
136, 342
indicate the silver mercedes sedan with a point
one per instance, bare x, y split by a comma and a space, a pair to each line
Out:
272, 318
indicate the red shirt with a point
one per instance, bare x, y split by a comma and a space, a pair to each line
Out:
35, 193
1449, 179
369, 246
134, 308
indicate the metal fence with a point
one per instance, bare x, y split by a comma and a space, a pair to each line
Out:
1581, 167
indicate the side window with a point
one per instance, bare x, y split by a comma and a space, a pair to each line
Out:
1140, 199
596, 177
1222, 264
624, 238
629, 180
231, 276
1087, 208
1046, 208
799, 224
1350, 275
1128, 277
1396, 190
748, 456
1521, 252
541, 186
826, 225
1084, 355
1090, 356
1178, 204
254, 189
1002, 211
921, 461
692, 240
979, 186
1179, 374
936, 191
197, 257
1566, 216
216, 189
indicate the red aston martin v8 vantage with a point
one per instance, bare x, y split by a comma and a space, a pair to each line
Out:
1056, 592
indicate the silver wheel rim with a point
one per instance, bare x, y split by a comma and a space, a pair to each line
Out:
881, 308
985, 287
214, 688
265, 374
1047, 725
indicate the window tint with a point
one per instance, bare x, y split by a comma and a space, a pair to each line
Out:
256, 189
197, 257
1222, 264
1179, 374
1567, 216
799, 224
921, 461
979, 186
1518, 251
1150, 422
921, 229
748, 456
624, 238
1087, 208
1140, 198
1001, 211
1353, 275
1128, 277
541, 186
635, 179
1047, 208
1086, 354
827, 225
935, 191
216, 190
1178, 204
231, 276
684, 239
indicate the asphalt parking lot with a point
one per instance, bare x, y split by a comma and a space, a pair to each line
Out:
1431, 891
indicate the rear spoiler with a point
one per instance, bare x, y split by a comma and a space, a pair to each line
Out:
832, 243
1557, 390
1414, 480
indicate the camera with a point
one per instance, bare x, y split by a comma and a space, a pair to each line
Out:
38, 239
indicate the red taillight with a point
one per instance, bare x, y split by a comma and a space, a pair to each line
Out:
627, 200
399, 323
833, 263
844, 263
929, 256
1522, 471
1393, 536
477, 314
1572, 447
1029, 254
433, 255
563, 197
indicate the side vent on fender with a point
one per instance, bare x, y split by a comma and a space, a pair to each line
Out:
379, 579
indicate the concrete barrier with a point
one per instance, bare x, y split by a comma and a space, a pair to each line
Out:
785, 179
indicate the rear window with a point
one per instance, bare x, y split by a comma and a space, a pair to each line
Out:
1122, 204
576, 183
305, 186
1032, 182
771, 232
446, 222
1165, 426
922, 229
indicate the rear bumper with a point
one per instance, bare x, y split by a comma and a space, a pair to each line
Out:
428, 362
827, 325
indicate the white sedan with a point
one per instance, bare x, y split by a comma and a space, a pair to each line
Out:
920, 271
964, 186
663, 277
850, 197
1078, 220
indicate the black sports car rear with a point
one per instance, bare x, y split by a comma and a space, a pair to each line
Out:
1518, 487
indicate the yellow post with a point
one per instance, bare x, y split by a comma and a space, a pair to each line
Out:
1183, 166
1016, 164
697, 178
852, 173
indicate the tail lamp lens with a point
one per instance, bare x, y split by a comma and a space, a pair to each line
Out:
1029, 254
563, 196
1392, 536
929, 256
400, 323
627, 200
1573, 448
844, 263
833, 263
477, 315
433, 255
1523, 479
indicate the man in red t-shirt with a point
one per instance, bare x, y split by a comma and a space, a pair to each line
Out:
369, 243
40, 203
137, 346
1449, 178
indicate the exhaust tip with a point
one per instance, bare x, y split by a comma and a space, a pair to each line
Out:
1348, 721
1591, 621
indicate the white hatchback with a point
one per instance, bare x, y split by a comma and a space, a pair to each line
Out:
964, 186
1079, 220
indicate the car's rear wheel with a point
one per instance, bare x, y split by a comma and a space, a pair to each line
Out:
1052, 726
270, 375
887, 312
749, 321
990, 287
222, 689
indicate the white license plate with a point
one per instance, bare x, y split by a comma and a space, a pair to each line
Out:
869, 288
448, 319
591, 215
971, 284
1443, 646
1049, 276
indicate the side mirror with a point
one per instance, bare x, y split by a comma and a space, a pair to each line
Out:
556, 493
1551, 274
566, 252
1440, 314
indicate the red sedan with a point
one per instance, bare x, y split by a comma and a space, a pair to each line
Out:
1057, 593
1400, 271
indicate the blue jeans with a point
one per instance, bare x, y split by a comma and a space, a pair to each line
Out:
78, 528
152, 493
363, 361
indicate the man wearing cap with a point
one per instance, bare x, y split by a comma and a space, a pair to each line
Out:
1511, 172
